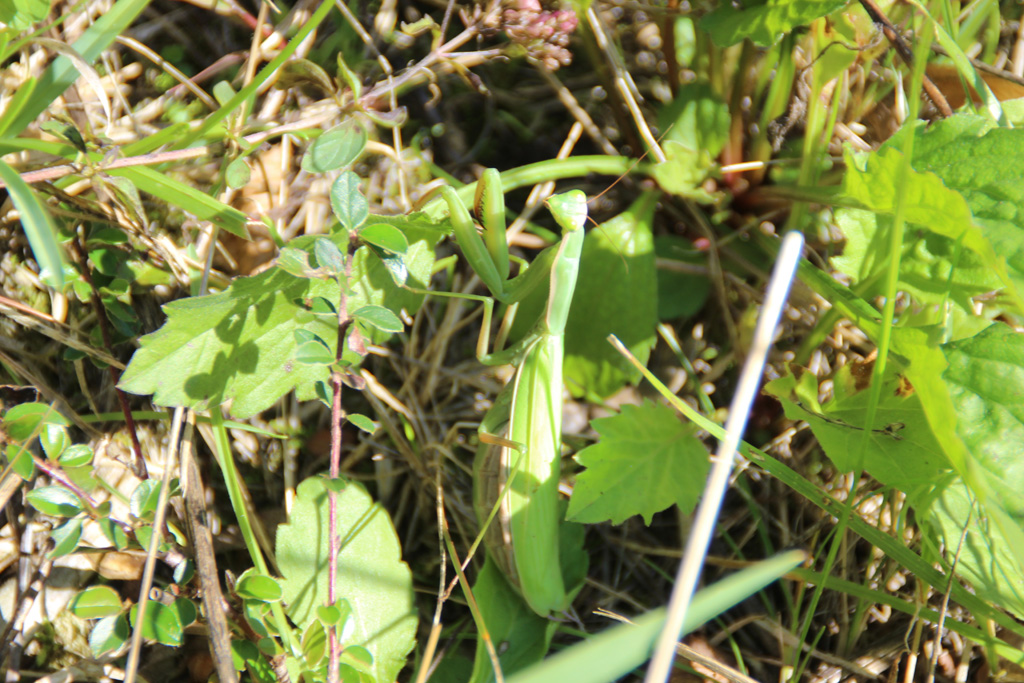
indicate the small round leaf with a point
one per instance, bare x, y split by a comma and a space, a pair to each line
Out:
109, 635
338, 147
96, 602
237, 174
386, 237
56, 501
254, 586
379, 317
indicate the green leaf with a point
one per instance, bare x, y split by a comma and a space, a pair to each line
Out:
186, 609
39, 228
237, 173
239, 345
764, 23
56, 501
314, 643
314, 352
335, 148
65, 538
985, 376
525, 635
386, 237
903, 452
299, 71
108, 635
23, 421
76, 455
254, 586
362, 422
377, 584
645, 461
160, 623
681, 294
379, 318
144, 499
329, 256
347, 202
616, 293
970, 155
933, 268
96, 602
178, 194
54, 439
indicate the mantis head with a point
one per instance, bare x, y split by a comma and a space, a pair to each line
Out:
569, 209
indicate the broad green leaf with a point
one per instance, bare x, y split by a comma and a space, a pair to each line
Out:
39, 228
96, 602
988, 557
56, 501
645, 461
347, 202
186, 609
314, 352
933, 268
109, 634
189, 199
903, 452
525, 635
379, 318
239, 345
376, 583
335, 148
616, 294
764, 23
160, 623
985, 376
697, 122
970, 155
681, 294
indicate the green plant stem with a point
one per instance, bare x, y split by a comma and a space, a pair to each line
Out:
222, 452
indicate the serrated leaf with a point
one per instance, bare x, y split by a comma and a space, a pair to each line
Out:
764, 23
970, 155
616, 293
386, 237
108, 635
377, 584
347, 202
903, 452
55, 500
239, 345
645, 461
379, 318
335, 148
96, 602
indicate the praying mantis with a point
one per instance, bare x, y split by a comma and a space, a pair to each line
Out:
516, 469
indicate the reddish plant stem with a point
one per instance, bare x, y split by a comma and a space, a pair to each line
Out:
344, 323
138, 462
